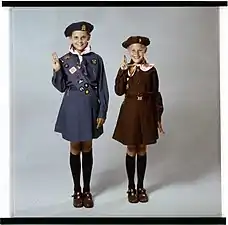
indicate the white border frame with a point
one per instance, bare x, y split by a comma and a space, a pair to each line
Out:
5, 115
5, 210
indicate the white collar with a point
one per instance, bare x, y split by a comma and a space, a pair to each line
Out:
75, 52
146, 67
86, 50
143, 67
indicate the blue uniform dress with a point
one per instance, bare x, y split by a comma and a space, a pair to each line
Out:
85, 99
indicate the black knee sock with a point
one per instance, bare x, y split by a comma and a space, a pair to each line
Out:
130, 168
141, 169
75, 165
87, 165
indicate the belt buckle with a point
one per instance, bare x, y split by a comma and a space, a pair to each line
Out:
139, 98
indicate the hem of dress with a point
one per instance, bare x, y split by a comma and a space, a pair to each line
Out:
77, 140
125, 143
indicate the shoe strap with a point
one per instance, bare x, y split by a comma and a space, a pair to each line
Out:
131, 192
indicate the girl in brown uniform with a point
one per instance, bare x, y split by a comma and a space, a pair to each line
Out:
140, 113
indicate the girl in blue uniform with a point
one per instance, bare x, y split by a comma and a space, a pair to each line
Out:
80, 75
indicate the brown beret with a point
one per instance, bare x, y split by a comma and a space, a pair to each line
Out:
136, 39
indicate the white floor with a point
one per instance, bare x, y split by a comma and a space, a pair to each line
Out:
168, 197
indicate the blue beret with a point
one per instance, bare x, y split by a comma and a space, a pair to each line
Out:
84, 26
136, 39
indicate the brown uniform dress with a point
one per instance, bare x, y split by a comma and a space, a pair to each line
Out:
141, 109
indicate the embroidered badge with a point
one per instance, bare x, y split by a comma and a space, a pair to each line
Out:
81, 88
87, 92
66, 57
72, 70
94, 61
83, 27
86, 85
80, 81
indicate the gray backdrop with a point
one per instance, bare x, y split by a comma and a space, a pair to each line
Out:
183, 173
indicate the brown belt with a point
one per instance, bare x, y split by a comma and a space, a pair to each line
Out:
139, 96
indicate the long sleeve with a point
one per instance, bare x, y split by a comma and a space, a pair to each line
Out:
158, 96
121, 82
58, 81
103, 92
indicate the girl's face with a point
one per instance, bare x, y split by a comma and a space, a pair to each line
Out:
79, 40
137, 52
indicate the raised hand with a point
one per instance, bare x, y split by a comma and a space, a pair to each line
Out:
124, 65
55, 62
